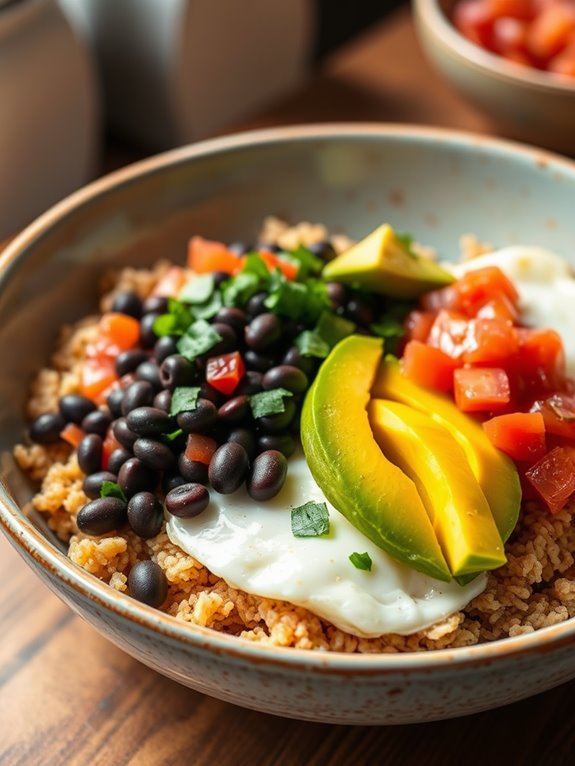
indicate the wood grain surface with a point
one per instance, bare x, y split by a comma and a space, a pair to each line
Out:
70, 698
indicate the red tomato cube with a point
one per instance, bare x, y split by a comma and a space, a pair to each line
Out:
200, 448
225, 372
449, 333
490, 341
521, 435
427, 366
554, 477
481, 389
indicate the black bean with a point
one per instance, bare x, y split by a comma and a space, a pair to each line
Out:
337, 293
251, 383
294, 358
257, 304
92, 484
233, 317
148, 337
176, 371
234, 410
89, 453
117, 459
128, 361
46, 428
258, 362
273, 424
97, 422
75, 407
145, 514
171, 481
101, 515
124, 433
360, 310
228, 468
149, 421
155, 304
153, 454
229, 339
127, 302
263, 331
187, 500
147, 583
201, 418
114, 401
193, 470
164, 347
163, 400
210, 393
138, 394
150, 372
284, 443
268, 475
135, 477
323, 250
286, 376
246, 438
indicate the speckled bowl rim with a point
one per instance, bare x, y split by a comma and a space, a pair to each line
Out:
33, 544
432, 16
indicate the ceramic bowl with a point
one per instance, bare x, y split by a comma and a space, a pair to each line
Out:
527, 103
433, 183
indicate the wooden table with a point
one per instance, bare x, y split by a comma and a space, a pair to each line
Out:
68, 697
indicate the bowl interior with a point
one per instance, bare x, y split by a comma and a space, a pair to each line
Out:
434, 184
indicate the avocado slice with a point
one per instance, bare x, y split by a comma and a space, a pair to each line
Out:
494, 471
348, 465
428, 453
384, 264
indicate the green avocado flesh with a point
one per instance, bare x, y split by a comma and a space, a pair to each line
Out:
383, 264
347, 463
495, 472
429, 454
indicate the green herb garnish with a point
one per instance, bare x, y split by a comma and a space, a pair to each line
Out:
111, 489
307, 262
310, 343
173, 435
310, 520
198, 289
198, 339
239, 289
210, 308
175, 322
184, 399
388, 328
361, 561
333, 328
269, 402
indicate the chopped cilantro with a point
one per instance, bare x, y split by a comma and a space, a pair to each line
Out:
388, 327
361, 561
310, 343
268, 402
111, 489
307, 262
199, 338
198, 289
184, 399
210, 308
175, 322
287, 298
254, 264
310, 520
239, 289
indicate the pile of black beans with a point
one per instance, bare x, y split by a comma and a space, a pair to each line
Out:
152, 471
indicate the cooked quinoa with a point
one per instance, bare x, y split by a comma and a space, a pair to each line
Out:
535, 589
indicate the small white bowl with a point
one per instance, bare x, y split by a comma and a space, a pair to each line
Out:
435, 184
527, 103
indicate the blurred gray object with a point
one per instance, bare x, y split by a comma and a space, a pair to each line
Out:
48, 111
174, 71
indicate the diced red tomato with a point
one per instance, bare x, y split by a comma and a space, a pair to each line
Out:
481, 389
116, 332
72, 434
427, 366
474, 19
109, 444
200, 448
558, 413
449, 333
206, 255
443, 298
554, 477
499, 307
541, 361
490, 341
564, 62
96, 376
273, 261
510, 36
478, 286
549, 32
521, 435
516, 9
171, 283
225, 372
418, 324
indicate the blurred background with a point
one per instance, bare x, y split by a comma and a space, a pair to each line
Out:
88, 85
